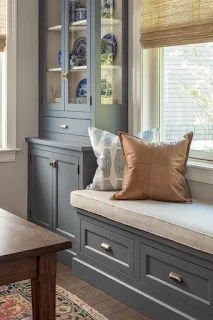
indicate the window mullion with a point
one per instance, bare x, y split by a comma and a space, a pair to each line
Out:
151, 94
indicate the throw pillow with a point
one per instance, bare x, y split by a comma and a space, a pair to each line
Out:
154, 171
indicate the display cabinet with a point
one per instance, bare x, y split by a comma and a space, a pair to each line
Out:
83, 66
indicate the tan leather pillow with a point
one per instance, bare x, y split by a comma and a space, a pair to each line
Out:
154, 171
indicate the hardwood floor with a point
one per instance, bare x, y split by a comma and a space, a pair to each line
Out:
105, 304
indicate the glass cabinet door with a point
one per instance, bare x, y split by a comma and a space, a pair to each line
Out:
54, 66
77, 48
112, 52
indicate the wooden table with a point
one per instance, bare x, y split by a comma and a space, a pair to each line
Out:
29, 252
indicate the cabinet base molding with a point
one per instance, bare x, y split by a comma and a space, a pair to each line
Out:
66, 257
133, 297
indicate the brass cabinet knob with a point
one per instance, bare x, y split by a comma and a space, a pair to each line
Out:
106, 246
176, 277
53, 163
65, 76
64, 126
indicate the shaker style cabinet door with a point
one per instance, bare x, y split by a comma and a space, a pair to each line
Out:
52, 177
51, 56
40, 188
65, 180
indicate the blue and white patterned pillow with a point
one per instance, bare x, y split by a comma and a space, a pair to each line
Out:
110, 160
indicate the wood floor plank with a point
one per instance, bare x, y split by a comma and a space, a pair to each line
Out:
123, 315
102, 302
106, 304
115, 309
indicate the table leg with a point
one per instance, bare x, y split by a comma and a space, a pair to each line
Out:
44, 289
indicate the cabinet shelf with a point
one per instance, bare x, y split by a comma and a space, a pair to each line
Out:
105, 67
55, 28
110, 21
54, 70
78, 25
82, 24
84, 68
104, 21
78, 68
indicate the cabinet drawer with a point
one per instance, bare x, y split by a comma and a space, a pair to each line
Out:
66, 126
110, 248
176, 278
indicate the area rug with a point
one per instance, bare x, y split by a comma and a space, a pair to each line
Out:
15, 304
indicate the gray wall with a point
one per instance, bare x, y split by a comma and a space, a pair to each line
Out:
13, 176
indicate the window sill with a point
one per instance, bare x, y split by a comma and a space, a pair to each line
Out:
8, 155
200, 171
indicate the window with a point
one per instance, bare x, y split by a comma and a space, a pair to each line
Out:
8, 79
178, 78
178, 94
186, 95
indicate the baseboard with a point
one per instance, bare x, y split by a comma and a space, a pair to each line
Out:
129, 295
66, 257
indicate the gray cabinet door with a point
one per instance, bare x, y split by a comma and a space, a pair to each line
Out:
51, 55
65, 180
40, 184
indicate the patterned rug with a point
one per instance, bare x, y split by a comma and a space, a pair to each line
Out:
15, 304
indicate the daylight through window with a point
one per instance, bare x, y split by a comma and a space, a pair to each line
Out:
187, 94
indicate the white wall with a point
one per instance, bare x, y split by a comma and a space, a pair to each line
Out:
13, 176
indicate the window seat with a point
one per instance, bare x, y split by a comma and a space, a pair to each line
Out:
155, 256
187, 224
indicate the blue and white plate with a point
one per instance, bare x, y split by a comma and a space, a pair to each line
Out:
107, 7
59, 57
108, 4
106, 88
81, 90
80, 49
109, 45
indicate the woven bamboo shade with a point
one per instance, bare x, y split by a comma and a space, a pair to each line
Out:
3, 24
176, 22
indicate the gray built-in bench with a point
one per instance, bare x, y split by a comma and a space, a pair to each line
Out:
155, 256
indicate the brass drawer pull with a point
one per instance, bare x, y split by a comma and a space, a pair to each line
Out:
176, 277
64, 126
106, 246
53, 163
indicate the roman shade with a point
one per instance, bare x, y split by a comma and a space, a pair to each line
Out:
176, 22
3, 24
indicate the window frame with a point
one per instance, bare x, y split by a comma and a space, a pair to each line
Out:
153, 97
198, 170
9, 113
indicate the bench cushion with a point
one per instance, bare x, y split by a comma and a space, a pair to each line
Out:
187, 224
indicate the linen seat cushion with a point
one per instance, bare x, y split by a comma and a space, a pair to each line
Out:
154, 171
187, 224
